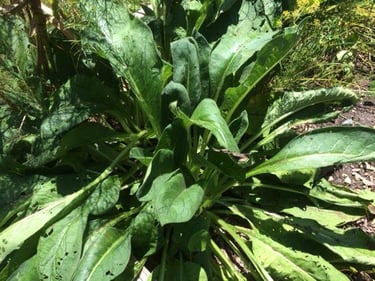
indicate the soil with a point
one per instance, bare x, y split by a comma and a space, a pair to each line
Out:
358, 175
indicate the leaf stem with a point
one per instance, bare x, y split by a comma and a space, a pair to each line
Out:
260, 273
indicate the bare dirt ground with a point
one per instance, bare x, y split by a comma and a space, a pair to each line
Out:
358, 175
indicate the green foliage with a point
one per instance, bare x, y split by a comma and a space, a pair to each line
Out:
145, 154
337, 58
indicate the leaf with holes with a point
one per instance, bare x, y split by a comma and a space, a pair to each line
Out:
105, 255
60, 246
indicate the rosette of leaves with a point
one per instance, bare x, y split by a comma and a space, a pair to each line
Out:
182, 166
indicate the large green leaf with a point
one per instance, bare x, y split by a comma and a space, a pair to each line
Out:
60, 246
285, 263
283, 250
325, 217
87, 133
352, 245
145, 233
17, 233
267, 58
104, 197
14, 42
186, 67
207, 115
292, 102
162, 163
105, 255
173, 202
208, 12
129, 46
171, 93
321, 148
28, 270
235, 48
341, 195
62, 120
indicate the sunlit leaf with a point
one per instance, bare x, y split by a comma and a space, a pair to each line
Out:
352, 245
266, 59
162, 163
60, 246
208, 116
235, 48
321, 148
105, 255
292, 102
285, 263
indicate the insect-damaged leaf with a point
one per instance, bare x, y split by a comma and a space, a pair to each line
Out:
105, 255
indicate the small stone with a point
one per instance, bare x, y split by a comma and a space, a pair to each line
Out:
348, 180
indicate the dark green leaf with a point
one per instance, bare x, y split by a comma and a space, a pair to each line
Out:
26, 271
352, 245
104, 197
174, 92
325, 217
184, 271
193, 235
129, 46
145, 234
86, 133
62, 120
186, 67
239, 126
14, 41
228, 163
286, 263
339, 195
